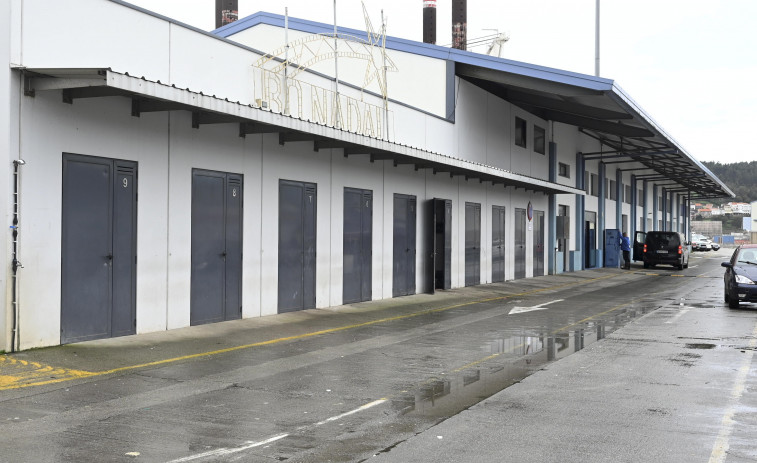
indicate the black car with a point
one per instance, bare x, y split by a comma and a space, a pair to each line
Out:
664, 247
740, 276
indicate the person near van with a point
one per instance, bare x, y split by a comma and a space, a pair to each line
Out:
625, 246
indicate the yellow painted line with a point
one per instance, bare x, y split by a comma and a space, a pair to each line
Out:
16, 373
9, 381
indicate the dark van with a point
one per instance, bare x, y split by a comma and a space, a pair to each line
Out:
664, 247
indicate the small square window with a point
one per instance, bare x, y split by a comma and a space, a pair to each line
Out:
520, 132
640, 198
540, 137
563, 170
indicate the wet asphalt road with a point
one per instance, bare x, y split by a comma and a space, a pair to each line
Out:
345, 384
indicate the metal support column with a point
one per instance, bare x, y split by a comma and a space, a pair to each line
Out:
634, 212
654, 207
619, 200
552, 206
665, 209
645, 207
601, 210
580, 213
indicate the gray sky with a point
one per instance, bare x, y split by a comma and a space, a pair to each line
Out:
691, 64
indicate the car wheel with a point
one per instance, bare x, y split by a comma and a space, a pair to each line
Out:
725, 296
686, 265
680, 266
646, 265
733, 303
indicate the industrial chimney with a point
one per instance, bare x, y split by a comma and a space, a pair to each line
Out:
227, 11
459, 23
429, 21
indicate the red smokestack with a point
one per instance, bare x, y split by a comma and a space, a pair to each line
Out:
227, 11
459, 23
429, 21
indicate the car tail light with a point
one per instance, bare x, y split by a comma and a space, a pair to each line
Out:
645, 248
680, 249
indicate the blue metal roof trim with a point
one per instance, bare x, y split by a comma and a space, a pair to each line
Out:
426, 49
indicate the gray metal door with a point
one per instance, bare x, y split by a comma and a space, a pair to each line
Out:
441, 243
403, 273
520, 244
357, 247
472, 244
498, 244
233, 254
538, 243
216, 274
98, 248
297, 236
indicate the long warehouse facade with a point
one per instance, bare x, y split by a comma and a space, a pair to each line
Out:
159, 176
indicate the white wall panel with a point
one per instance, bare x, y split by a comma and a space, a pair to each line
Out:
95, 127
498, 141
95, 34
203, 63
8, 152
471, 123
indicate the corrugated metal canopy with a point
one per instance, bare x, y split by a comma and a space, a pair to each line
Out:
629, 135
149, 96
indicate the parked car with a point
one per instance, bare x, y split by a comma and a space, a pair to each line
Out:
740, 276
664, 247
715, 246
700, 243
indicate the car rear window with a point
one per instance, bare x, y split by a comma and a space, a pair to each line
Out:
663, 240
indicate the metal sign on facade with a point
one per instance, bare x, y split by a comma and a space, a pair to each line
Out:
277, 89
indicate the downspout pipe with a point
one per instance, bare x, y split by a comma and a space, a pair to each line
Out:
15, 263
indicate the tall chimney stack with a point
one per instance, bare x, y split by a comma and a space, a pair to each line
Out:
459, 23
227, 11
429, 21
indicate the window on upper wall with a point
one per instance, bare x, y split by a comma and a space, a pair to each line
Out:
640, 199
540, 138
563, 170
613, 190
627, 197
594, 184
520, 132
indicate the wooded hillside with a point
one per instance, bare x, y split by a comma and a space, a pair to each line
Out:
740, 177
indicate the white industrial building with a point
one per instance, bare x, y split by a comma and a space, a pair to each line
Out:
158, 176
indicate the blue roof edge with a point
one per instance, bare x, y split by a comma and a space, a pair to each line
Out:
424, 49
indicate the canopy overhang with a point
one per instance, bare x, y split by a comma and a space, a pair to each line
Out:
149, 96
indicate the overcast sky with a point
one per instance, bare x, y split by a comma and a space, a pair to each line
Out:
691, 64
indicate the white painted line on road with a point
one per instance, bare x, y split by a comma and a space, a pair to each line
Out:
229, 451
249, 445
720, 449
530, 309
359, 409
677, 316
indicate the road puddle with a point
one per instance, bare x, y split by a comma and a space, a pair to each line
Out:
506, 360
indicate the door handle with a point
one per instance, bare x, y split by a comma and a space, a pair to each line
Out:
223, 254
109, 257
